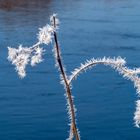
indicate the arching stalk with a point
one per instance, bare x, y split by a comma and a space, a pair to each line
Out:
116, 63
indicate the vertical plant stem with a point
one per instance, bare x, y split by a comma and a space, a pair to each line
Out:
67, 86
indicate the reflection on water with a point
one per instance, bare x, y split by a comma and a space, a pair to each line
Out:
34, 108
11, 4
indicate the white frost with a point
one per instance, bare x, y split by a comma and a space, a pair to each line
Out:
137, 114
45, 34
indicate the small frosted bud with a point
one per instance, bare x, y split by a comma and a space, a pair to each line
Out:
54, 19
45, 34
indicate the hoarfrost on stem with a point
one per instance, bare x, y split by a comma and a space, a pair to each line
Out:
45, 34
37, 57
21, 57
54, 21
137, 114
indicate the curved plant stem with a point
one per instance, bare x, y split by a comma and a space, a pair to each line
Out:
86, 66
73, 126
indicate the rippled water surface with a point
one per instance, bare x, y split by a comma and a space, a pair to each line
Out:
34, 108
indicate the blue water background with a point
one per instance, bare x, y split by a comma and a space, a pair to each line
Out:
34, 108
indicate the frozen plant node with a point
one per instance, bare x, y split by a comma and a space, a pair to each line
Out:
45, 34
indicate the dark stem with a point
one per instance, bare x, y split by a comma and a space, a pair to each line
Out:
68, 89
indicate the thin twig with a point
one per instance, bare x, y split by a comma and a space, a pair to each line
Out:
73, 126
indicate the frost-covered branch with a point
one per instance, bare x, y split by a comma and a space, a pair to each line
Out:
115, 63
22, 56
119, 65
63, 76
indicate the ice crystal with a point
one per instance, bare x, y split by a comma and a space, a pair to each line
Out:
21, 56
137, 114
37, 57
45, 34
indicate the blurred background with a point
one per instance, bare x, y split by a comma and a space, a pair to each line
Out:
34, 108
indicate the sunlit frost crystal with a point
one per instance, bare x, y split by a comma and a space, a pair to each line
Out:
45, 34
137, 114
37, 57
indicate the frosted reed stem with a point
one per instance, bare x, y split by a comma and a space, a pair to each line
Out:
67, 86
